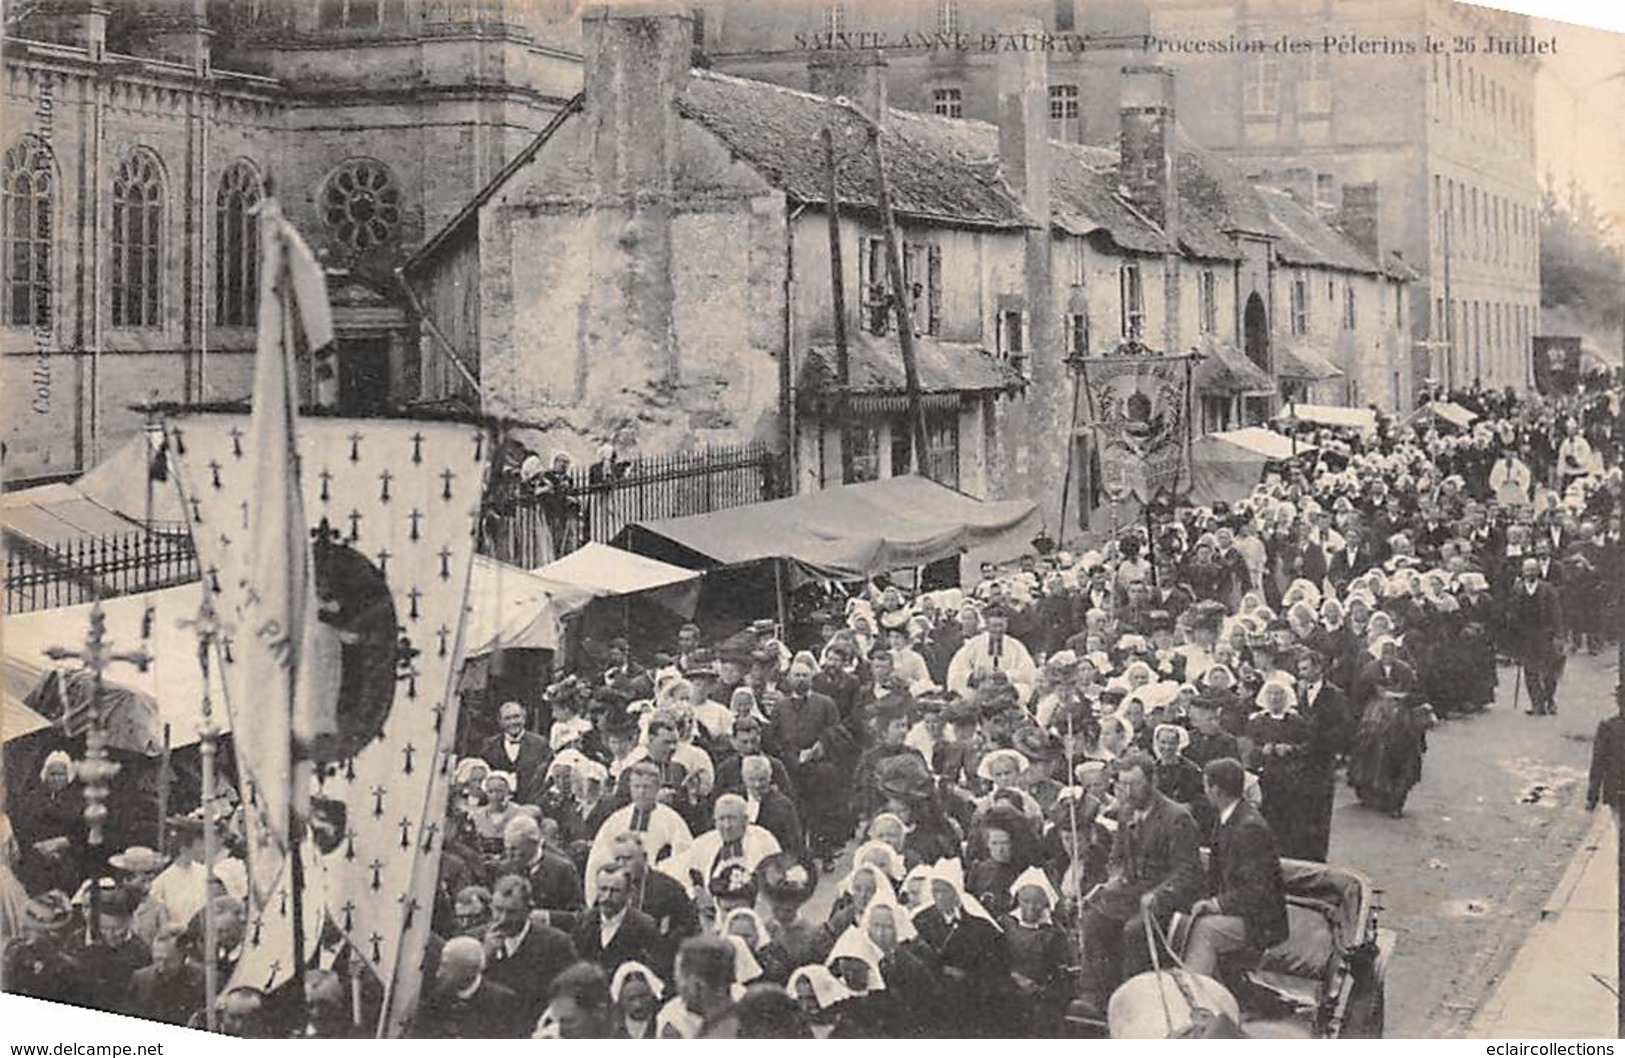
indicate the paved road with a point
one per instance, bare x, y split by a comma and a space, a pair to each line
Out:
1484, 841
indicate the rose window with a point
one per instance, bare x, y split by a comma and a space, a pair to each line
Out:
361, 204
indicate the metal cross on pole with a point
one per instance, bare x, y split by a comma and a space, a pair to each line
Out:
96, 771
207, 628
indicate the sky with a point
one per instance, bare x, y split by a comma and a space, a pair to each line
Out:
1580, 102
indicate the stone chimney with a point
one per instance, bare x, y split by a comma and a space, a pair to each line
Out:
1358, 219
1146, 143
1023, 94
859, 75
636, 59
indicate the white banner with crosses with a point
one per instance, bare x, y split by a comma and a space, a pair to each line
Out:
393, 507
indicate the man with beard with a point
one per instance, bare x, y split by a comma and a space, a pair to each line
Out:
1154, 869
817, 750
614, 932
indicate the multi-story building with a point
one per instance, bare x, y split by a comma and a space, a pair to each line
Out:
1358, 98
138, 137
655, 271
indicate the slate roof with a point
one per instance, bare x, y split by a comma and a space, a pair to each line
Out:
777, 130
946, 171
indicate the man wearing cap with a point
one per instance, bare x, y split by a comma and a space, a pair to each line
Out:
993, 651
520, 752
624, 674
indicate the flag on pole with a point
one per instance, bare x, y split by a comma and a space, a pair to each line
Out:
390, 507
1139, 405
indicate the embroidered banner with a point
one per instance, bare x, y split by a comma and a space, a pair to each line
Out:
1139, 406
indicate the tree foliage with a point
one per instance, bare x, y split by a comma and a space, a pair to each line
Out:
1580, 267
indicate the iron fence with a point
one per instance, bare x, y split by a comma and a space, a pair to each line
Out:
535, 526
42, 577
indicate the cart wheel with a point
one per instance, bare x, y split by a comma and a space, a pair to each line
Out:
1366, 1013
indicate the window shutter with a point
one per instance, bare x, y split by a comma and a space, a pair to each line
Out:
933, 282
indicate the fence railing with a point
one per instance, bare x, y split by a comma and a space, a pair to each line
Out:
41, 577
537, 525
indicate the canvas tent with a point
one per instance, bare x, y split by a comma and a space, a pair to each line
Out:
843, 533
1447, 412
172, 684
1362, 419
1226, 466
603, 572
515, 609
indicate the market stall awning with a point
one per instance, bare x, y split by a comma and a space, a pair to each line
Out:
847, 532
1361, 419
514, 609
1260, 441
1304, 364
172, 684
1225, 467
111, 499
605, 572
16, 717
1446, 411
1227, 371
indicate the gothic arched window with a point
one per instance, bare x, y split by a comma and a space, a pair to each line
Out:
138, 243
236, 246
29, 204
361, 204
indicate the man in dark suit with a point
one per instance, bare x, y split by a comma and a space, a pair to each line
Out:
1349, 561
522, 952
613, 932
661, 897
1154, 869
1247, 911
517, 750
1331, 732
171, 988
746, 741
465, 1004
1607, 781
1534, 620
766, 805
555, 885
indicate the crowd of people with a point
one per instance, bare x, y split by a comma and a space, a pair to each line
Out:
944, 813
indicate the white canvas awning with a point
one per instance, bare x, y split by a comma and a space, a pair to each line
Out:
1261, 441
173, 681
604, 572
1362, 419
514, 609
